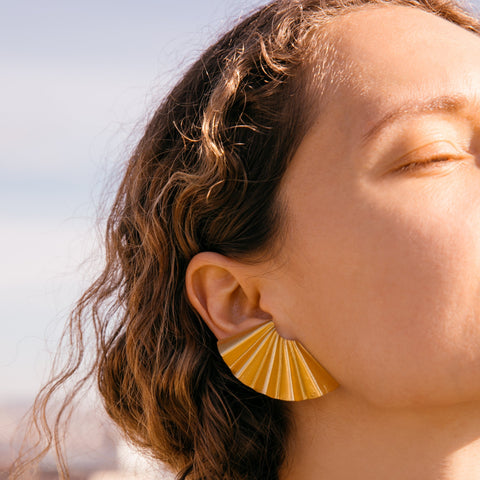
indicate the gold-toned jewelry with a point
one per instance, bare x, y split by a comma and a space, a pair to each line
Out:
275, 366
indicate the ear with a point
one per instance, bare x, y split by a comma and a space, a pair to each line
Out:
225, 294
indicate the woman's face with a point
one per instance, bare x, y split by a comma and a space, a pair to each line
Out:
381, 275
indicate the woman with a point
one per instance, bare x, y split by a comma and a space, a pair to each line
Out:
311, 183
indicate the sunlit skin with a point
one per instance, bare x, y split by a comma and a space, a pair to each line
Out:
382, 264
379, 276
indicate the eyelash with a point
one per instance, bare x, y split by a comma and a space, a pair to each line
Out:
421, 164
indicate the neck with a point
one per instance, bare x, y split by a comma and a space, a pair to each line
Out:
339, 436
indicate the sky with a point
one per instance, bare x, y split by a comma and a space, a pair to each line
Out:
78, 80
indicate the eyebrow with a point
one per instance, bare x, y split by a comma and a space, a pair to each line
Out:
443, 103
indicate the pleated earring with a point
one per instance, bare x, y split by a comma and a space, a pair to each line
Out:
272, 365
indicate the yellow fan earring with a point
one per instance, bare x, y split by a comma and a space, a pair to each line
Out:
272, 365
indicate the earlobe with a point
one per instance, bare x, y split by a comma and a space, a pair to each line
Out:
219, 290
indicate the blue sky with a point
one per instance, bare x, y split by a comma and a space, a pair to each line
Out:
78, 79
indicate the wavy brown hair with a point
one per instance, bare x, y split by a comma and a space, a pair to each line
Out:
204, 177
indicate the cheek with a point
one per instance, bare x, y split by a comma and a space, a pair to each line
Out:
420, 297
395, 305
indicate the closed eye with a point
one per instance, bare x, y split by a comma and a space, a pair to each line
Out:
429, 162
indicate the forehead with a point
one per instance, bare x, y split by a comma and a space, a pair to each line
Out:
396, 53
376, 38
